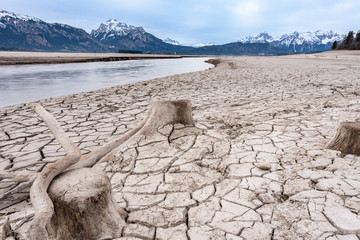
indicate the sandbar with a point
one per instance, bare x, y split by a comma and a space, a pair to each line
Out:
14, 58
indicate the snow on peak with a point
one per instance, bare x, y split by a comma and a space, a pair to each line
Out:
260, 38
318, 37
115, 28
300, 38
171, 41
6, 14
198, 45
329, 36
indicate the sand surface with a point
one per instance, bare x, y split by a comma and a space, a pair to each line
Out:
204, 182
12, 58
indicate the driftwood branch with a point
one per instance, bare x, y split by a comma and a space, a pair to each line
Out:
42, 204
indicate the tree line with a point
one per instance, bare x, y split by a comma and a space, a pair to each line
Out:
350, 41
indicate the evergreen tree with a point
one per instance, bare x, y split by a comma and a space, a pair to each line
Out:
342, 45
357, 38
335, 45
349, 39
357, 41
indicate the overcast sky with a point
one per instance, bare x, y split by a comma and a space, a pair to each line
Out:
199, 21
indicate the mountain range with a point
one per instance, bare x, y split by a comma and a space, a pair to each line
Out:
29, 33
23, 32
298, 42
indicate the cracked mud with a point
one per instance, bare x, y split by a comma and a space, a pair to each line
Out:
253, 167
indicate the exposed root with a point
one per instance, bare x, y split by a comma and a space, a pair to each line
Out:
90, 159
42, 204
161, 113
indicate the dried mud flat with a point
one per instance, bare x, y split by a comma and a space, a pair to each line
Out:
253, 166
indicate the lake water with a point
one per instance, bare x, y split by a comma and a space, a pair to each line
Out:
26, 83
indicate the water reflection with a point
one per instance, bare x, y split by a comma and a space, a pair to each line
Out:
25, 83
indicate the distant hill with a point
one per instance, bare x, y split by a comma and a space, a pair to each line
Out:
30, 33
239, 49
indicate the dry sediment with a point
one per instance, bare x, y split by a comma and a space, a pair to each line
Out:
204, 181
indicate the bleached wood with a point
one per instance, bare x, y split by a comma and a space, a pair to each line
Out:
84, 206
42, 204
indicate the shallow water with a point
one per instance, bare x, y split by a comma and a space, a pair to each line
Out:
26, 83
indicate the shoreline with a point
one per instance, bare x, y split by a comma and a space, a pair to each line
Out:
20, 58
23, 57
79, 82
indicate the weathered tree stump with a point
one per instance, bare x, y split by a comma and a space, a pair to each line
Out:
163, 112
84, 207
347, 139
160, 113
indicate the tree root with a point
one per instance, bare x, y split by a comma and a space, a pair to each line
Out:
160, 113
40, 200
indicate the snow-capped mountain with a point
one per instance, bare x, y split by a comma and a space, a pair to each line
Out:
113, 28
120, 36
10, 15
318, 37
173, 42
19, 31
298, 42
260, 38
